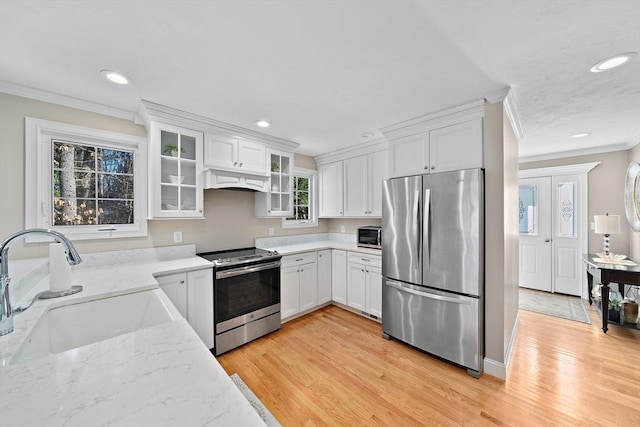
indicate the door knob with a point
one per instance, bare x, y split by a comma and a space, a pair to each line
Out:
547, 240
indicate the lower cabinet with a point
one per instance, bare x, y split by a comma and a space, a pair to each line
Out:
298, 283
364, 284
324, 276
339, 275
192, 294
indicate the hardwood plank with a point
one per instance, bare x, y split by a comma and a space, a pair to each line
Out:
331, 367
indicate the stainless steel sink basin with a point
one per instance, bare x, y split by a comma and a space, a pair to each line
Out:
72, 326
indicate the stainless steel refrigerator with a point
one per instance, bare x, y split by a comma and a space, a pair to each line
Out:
432, 264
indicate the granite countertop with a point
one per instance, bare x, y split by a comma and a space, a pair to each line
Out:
161, 375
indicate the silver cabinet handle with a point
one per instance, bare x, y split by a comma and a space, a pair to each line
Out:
299, 259
182, 282
364, 259
235, 163
240, 164
409, 290
547, 240
426, 167
433, 167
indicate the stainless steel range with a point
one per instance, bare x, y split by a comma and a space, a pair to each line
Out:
246, 295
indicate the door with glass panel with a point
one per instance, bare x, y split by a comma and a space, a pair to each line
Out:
534, 219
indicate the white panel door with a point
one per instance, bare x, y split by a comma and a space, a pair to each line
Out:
535, 233
175, 286
356, 287
374, 291
324, 276
567, 223
355, 187
308, 275
200, 303
339, 275
289, 291
252, 157
456, 147
220, 151
409, 155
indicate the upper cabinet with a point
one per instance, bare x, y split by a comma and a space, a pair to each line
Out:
444, 141
352, 187
278, 201
232, 154
175, 165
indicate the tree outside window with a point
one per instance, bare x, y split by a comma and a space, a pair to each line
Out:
304, 200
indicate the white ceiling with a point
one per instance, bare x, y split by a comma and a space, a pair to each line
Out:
324, 72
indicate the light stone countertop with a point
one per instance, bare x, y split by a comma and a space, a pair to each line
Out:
161, 375
296, 248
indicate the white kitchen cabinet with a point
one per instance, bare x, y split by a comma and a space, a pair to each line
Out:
278, 201
339, 275
228, 153
175, 172
298, 284
378, 171
454, 147
330, 190
324, 276
355, 187
192, 294
364, 286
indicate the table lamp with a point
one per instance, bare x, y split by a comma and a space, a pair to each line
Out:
607, 225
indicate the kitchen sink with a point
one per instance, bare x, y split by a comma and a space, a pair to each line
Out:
72, 326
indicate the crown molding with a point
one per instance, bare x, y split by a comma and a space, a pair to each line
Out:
67, 101
558, 170
581, 152
497, 96
510, 108
361, 149
150, 111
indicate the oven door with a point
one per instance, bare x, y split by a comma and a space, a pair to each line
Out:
246, 293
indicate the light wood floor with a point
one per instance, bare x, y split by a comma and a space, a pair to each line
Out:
332, 367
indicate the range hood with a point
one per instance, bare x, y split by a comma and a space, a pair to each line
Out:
235, 181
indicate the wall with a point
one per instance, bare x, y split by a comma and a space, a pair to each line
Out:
501, 230
606, 193
350, 224
634, 238
229, 221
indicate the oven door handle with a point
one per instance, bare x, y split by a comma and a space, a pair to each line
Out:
246, 270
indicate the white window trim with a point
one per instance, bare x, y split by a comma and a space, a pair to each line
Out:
38, 175
313, 211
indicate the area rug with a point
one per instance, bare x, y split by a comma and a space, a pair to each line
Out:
564, 306
264, 413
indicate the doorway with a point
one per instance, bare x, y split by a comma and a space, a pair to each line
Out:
553, 228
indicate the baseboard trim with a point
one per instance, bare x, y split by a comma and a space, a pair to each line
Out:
499, 369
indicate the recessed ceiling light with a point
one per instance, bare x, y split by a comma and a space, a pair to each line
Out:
367, 135
612, 62
263, 123
115, 77
581, 135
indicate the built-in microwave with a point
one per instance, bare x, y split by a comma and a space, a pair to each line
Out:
370, 236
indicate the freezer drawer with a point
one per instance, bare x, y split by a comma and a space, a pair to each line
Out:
444, 324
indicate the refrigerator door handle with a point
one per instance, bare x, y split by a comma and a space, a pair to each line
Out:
409, 290
427, 239
418, 222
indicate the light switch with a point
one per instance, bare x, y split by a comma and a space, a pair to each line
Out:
177, 237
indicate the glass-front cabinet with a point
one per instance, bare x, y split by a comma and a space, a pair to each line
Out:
278, 201
176, 172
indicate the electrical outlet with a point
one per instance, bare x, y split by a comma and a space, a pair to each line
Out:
177, 237
593, 226
342, 228
271, 231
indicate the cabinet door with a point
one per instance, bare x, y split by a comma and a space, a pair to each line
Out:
355, 187
324, 276
220, 151
175, 164
251, 157
289, 291
308, 275
409, 155
339, 276
175, 286
330, 200
374, 291
278, 201
200, 304
356, 287
378, 171
456, 147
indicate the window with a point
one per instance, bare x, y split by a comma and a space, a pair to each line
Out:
304, 200
85, 183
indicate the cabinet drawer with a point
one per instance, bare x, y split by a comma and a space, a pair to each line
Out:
366, 259
298, 259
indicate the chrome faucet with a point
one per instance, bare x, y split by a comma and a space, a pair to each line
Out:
6, 311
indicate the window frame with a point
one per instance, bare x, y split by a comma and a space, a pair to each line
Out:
312, 175
39, 136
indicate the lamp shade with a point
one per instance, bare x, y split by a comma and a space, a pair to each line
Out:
607, 224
